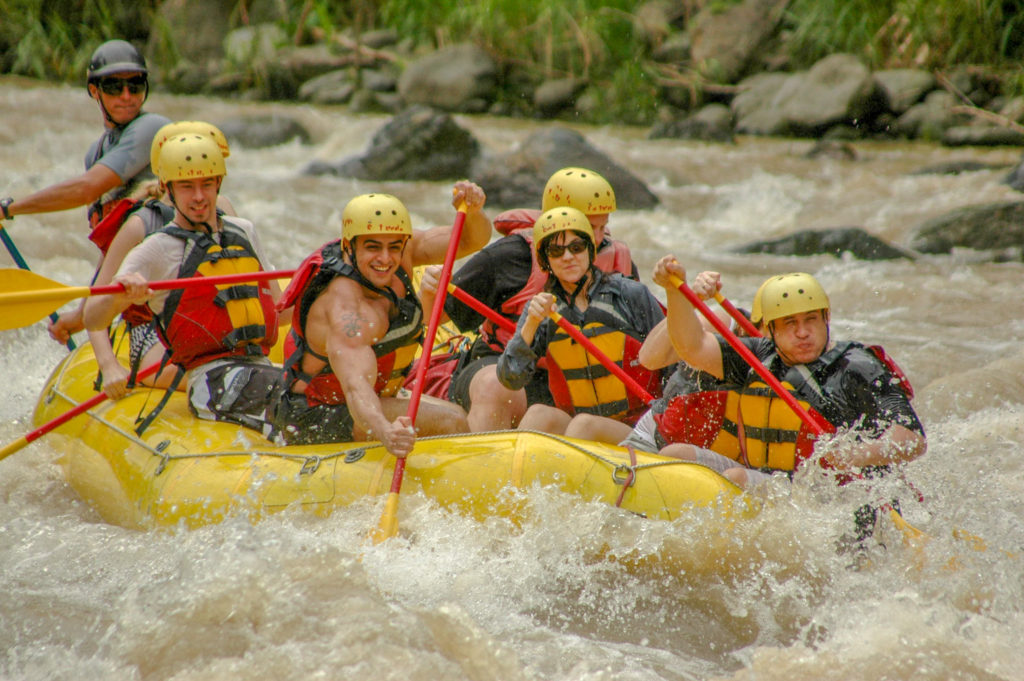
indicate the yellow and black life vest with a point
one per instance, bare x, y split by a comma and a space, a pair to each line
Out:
206, 322
581, 384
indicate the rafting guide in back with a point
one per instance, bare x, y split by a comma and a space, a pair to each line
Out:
115, 165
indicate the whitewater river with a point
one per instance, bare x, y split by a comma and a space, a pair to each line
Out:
302, 598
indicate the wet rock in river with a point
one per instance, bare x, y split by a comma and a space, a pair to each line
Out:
457, 78
995, 227
419, 143
713, 123
518, 178
263, 131
834, 241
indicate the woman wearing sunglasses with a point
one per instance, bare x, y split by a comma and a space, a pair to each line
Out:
117, 164
614, 312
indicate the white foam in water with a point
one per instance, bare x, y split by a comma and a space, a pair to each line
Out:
575, 590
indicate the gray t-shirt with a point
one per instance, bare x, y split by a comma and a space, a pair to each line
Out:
125, 150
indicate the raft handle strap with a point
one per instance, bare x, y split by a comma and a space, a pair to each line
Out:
310, 465
630, 475
162, 449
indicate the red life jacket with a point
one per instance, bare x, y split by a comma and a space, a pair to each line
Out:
444, 361
107, 220
202, 323
614, 256
894, 369
394, 352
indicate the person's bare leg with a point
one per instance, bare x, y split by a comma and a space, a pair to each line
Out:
678, 450
738, 476
434, 416
166, 376
598, 428
492, 405
545, 419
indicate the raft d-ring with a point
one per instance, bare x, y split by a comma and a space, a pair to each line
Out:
624, 474
353, 455
310, 465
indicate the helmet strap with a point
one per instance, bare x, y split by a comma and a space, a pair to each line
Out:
581, 286
94, 87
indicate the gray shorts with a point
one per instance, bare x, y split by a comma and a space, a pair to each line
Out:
644, 438
235, 389
297, 423
721, 464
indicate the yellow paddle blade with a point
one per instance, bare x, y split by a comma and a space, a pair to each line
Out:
27, 297
388, 525
911, 535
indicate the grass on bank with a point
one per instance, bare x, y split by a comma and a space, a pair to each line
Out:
53, 39
936, 34
539, 39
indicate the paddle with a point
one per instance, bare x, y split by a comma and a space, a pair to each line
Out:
67, 416
909, 531
576, 334
478, 306
747, 325
20, 262
29, 296
620, 373
387, 527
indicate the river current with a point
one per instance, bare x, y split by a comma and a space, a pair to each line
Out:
296, 597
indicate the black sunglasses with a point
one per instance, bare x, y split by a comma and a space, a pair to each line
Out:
114, 86
576, 246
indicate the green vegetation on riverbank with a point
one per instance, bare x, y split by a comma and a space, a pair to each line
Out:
599, 41
937, 34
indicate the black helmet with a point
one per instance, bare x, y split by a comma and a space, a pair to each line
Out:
115, 56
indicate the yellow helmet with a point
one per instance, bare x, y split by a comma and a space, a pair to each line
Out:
755, 305
182, 127
583, 189
375, 214
789, 294
190, 156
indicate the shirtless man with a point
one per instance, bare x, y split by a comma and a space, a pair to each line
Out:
357, 324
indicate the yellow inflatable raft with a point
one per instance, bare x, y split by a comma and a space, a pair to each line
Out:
186, 470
